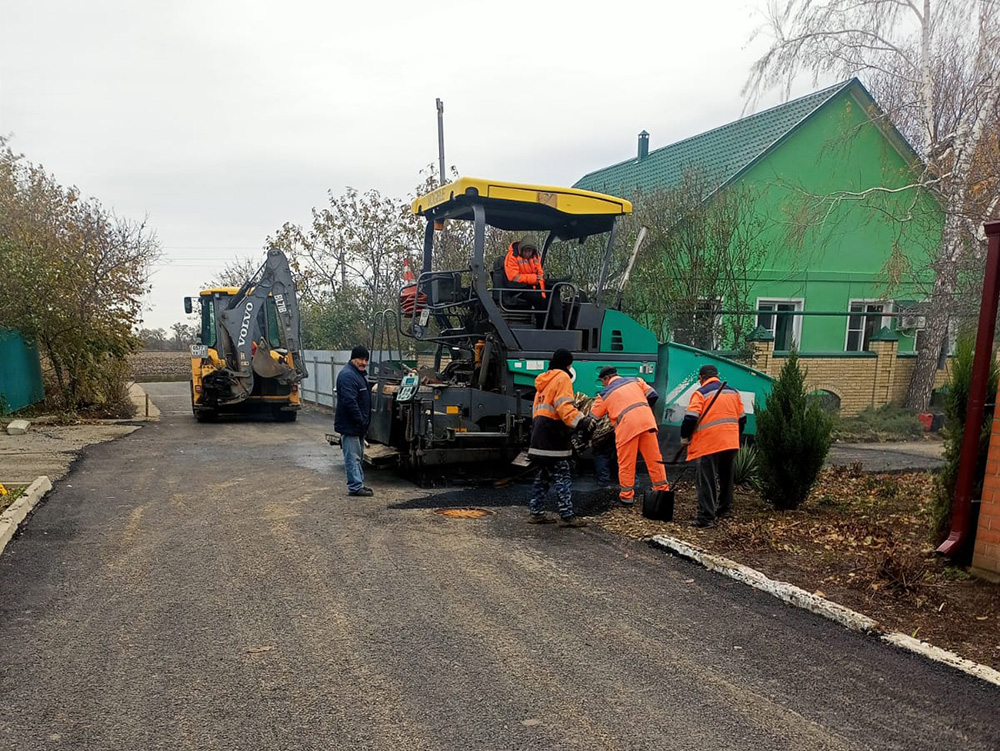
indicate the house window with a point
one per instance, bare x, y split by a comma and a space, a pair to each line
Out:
860, 327
773, 315
700, 328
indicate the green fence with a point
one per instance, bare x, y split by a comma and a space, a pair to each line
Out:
20, 373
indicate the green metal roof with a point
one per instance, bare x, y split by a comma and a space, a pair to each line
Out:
721, 153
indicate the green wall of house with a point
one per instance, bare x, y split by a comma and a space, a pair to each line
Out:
844, 256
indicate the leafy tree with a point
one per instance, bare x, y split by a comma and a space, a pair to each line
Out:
934, 69
183, 337
704, 253
153, 339
337, 321
956, 406
793, 438
74, 277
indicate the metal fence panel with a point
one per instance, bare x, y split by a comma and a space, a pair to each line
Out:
324, 365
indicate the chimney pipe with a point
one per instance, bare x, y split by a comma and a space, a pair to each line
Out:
643, 145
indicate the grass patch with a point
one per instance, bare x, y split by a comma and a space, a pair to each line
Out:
12, 493
878, 424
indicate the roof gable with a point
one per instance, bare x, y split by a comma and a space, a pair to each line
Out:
721, 153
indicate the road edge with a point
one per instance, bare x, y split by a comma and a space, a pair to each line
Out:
798, 597
14, 514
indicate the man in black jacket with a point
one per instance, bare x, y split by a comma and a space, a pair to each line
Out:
351, 420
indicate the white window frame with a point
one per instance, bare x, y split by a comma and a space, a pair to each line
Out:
887, 306
800, 304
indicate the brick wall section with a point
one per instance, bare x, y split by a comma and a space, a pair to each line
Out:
860, 382
986, 554
153, 366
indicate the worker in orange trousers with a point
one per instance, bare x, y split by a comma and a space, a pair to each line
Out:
628, 402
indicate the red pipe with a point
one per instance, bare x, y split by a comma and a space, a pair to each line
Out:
961, 508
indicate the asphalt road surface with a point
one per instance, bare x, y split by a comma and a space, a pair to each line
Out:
213, 587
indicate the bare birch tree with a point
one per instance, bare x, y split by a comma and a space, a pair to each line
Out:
934, 68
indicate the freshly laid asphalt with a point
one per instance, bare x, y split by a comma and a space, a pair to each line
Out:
212, 586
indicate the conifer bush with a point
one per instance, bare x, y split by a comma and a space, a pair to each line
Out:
955, 407
793, 438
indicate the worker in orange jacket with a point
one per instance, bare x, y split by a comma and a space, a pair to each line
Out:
523, 269
628, 402
713, 442
554, 417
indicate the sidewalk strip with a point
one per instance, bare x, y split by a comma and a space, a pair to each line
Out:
18, 510
798, 597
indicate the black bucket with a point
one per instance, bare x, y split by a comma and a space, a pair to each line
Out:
658, 505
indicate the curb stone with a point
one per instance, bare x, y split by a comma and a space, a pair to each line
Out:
18, 510
798, 597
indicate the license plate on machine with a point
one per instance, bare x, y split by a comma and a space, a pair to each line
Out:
199, 350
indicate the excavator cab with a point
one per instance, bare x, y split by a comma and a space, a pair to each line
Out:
247, 357
473, 403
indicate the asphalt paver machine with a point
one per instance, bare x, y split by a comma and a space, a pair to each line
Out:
472, 403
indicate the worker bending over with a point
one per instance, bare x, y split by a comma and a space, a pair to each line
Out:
628, 402
523, 269
712, 426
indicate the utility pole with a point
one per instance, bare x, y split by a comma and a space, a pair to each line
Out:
440, 110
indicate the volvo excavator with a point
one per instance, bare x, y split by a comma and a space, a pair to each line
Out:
475, 403
248, 357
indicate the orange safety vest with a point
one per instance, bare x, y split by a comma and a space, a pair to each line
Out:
554, 415
625, 401
720, 430
524, 270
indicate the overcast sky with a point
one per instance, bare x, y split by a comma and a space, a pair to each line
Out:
221, 120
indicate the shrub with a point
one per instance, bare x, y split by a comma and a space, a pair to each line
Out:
956, 403
793, 438
746, 472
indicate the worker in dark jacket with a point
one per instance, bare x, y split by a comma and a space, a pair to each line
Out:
554, 418
713, 438
351, 420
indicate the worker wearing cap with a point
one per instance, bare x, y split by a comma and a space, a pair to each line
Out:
628, 402
554, 417
523, 269
713, 441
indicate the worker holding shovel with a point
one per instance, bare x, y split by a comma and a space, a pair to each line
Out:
713, 440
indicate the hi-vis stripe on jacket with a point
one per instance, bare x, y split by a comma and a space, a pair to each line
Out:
554, 416
524, 270
626, 401
720, 430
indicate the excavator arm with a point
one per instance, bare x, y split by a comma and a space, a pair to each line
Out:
243, 323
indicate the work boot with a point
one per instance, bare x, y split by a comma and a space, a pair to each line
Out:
572, 521
362, 492
701, 523
627, 501
540, 519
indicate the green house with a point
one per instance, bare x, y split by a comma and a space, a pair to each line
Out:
835, 272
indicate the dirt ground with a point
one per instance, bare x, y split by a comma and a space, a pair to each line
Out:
860, 540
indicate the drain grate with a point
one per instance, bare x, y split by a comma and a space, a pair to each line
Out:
462, 513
